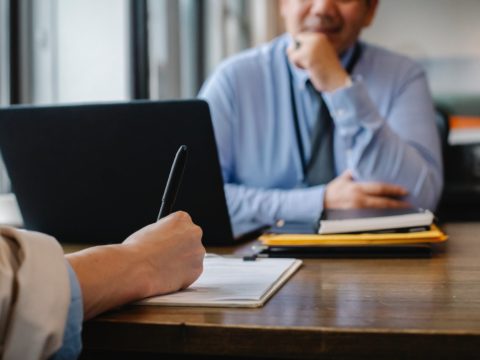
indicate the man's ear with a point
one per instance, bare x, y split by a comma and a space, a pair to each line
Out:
371, 11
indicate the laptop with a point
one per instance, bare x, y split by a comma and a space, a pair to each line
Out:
96, 173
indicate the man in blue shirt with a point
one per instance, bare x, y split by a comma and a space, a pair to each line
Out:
384, 147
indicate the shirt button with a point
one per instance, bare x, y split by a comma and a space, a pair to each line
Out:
341, 112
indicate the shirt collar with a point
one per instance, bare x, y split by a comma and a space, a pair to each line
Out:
301, 76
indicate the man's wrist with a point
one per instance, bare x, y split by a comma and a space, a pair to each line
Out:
141, 276
341, 82
332, 82
109, 276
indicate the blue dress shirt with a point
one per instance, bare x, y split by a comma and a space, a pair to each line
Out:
72, 340
384, 131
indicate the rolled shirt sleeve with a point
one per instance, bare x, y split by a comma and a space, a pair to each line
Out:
381, 150
72, 341
35, 295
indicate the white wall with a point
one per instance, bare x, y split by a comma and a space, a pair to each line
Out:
443, 34
92, 50
428, 28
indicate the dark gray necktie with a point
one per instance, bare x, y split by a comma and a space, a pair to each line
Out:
321, 167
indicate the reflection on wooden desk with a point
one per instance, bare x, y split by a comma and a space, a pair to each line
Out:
338, 308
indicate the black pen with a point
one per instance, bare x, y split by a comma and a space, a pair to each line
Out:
173, 182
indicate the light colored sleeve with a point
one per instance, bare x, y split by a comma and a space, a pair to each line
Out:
247, 203
34, 295
403, 150
268, 205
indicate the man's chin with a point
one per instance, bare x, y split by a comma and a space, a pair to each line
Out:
332, 35
330, 31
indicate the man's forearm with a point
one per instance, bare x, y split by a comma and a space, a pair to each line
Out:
378, 152
269, 205
162, 257
109, 276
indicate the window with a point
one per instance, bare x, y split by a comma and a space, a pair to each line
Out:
81, 50
92, 50
188, 38
174, 47
74, 50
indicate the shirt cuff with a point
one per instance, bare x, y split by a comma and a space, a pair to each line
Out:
72, 341
302, 205
351, 107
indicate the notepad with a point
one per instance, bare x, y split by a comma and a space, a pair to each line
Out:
338, 221
232, 282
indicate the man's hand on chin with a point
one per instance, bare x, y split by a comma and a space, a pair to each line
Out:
314, 53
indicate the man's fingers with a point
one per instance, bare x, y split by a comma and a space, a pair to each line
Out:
346, 175
382, 189
382, 202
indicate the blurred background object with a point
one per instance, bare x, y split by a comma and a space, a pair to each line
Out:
66, 51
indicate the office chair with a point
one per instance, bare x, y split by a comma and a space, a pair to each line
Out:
460, 200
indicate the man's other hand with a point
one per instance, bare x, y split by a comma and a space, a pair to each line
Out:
344, 193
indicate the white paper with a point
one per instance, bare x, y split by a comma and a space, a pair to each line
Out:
232, 282
9, 211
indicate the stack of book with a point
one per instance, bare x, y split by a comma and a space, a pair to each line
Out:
363, 228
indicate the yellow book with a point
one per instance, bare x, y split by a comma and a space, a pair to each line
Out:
431, 236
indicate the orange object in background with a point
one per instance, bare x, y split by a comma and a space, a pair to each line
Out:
464, 122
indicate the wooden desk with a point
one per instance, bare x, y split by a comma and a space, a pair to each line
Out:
332, 308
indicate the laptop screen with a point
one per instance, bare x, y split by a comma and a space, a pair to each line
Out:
96, 173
